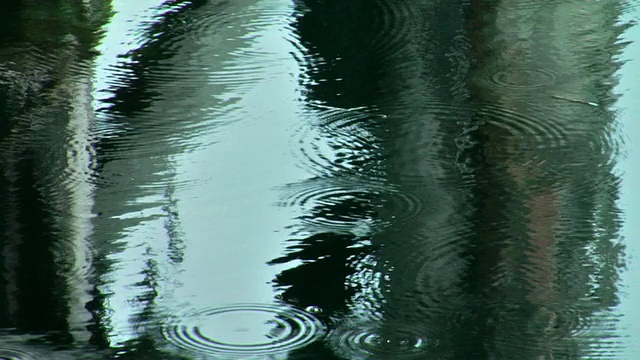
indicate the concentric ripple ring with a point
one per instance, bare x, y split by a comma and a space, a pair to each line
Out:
522, 78
243, 330
368, 340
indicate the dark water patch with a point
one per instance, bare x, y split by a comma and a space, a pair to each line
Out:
26, 67
563, 323
557, 331
64, 176
384, 27
542, 149
243, 331
327, 258
37, 84
30, 68
365, 340
549, 321
402, 205
77, 265
35, 351
393, 22
38, 199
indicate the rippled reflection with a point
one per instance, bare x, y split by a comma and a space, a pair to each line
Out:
493, 150
196, 76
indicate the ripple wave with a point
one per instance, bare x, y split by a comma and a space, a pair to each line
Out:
336, 140
243, 330
350, 204
364, 341
522, 78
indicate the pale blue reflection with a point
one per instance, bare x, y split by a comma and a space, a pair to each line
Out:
223, 210
120, 37
628, 107
230, 221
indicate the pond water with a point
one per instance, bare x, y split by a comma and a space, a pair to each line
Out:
319, 179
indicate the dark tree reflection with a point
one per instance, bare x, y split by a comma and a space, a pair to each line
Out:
45, 60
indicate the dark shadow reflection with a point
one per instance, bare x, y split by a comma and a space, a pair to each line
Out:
321, 280
45, 61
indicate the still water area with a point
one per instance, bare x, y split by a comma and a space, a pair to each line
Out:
320, 179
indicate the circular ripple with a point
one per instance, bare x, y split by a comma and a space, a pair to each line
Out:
542, 133
392, 23
428, 292
565, 323
350, 205
10, 354
502, 133
369, 340
243, 330
337, 208
339, 141
522, 78
492, 130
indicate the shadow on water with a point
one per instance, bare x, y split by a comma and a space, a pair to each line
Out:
445, 171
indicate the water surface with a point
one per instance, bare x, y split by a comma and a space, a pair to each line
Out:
269, 179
